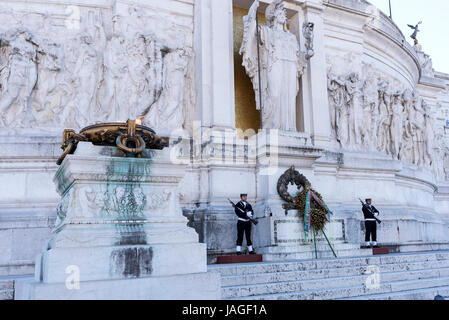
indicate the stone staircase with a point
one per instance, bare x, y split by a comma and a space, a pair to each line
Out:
307, 251
9, 274
7, 285
6, 288
414, 276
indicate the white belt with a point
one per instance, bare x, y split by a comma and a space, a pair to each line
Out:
241, 219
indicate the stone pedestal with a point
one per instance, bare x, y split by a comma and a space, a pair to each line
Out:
120, 234
279, 236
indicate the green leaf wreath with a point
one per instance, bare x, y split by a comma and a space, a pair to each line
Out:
318, 214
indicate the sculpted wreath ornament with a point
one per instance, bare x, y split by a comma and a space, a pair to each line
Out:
307, 201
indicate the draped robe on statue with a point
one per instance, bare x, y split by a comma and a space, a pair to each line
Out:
281, 65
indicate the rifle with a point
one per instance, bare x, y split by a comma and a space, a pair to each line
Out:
254, 221
366, 206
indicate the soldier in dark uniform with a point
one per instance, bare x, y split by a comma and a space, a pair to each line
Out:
370, 213
244, 211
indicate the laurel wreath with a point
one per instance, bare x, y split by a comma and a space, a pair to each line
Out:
318, 215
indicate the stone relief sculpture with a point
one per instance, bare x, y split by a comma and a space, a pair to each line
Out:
170, 111
115, 64
274, 62
370, 113
397, 126
44, 104
107, 70
384, 120
18, 73
357, 131
338, 114
425, 61
428, 135
307, 31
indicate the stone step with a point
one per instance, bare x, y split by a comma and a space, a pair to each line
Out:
7, 284
6, 288
272, 257
417, 294
417, 247
7, 294
302, 252
313, 264
359, 291
260, 278
17, 269
327, 283
321, 246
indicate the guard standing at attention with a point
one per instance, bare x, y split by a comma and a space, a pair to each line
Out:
370, 213
244, 211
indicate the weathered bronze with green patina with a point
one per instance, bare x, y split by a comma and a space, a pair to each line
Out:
129, 137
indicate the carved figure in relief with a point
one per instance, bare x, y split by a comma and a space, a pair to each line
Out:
115, 102
397, 125
18, 73
354, 87
418, 123
429, 130
383, 135
44, 106
407, 150
339, 115
171, 109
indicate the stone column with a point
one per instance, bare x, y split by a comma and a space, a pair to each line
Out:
214, 54
120, 234
314, 81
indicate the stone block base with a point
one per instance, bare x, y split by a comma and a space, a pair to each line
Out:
239, 259
196, 286
380, 251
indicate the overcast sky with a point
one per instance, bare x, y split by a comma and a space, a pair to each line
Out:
434, 35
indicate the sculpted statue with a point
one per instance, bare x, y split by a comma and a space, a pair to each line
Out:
425, 61
44, 106
138, 69
418, 123
82, 84
383, 126
339, 111
397, 125
429, 132
115, 65
106, 71
18, 73
408, 145
415, 31
275, 51
307, 31
366, 114
440, 152
371, 114
357, 131
154, 75
170, 112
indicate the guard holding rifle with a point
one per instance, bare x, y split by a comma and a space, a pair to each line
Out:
370, 213
245, 214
